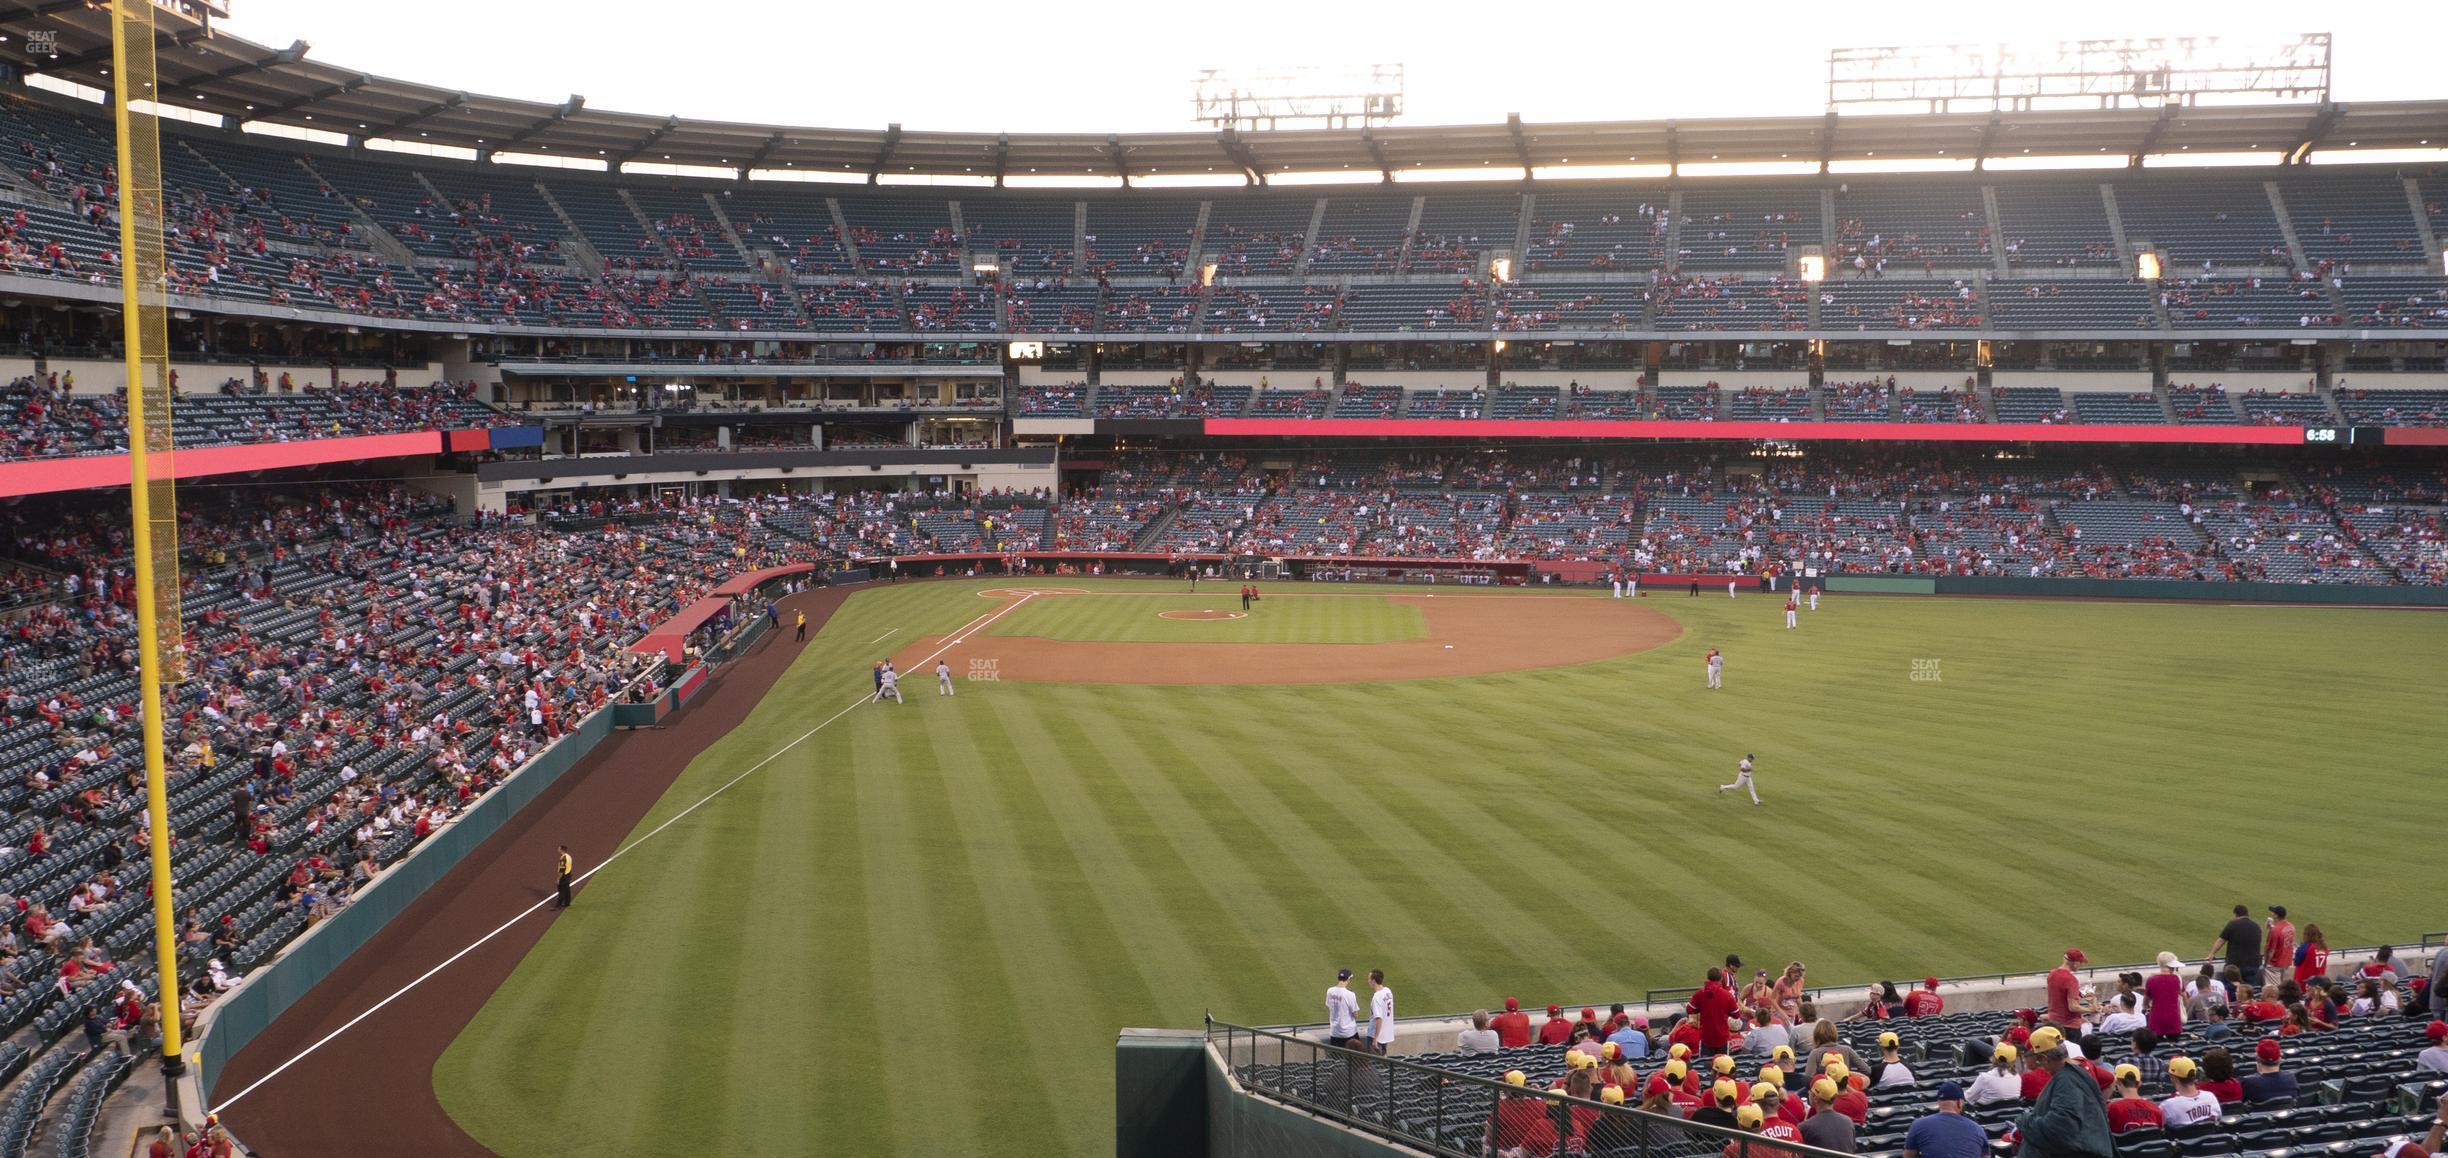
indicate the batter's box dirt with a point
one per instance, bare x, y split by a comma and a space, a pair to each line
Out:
1202, 616
1466, 636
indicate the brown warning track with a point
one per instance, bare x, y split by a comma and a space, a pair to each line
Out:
1467, 635
370, 1092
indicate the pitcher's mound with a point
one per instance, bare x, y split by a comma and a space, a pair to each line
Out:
1202, 616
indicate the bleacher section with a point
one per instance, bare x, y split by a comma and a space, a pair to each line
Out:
1577, 231
2223, 221
2054, 224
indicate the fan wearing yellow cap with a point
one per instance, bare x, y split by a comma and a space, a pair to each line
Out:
2190, 1105
1889, 1069
1724, 1096
2129, 1110
1998, 1083
1521, 1123
2068, 1116
1823, 1126
1850, 1100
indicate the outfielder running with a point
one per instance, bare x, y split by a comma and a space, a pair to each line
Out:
1742, 779
943, 678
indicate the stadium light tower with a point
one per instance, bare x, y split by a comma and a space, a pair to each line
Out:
2147, 72
1317, 96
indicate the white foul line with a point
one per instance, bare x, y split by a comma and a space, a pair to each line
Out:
880, 638
971, 628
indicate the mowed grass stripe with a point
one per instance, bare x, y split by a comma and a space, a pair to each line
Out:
1137, 618
2108, 775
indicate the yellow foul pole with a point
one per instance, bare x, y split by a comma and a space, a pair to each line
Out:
141, 269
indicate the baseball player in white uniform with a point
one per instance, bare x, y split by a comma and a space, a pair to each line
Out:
1615, 578
1742, 779
1631, 585
1790, 608
1814, 599
1729, 589
1716, 668
943, 678
890, 687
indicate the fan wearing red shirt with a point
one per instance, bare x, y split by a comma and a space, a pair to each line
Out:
1850, 1100
1556, 1030
1712, 1007
1521, 1121
2129, 1110
2311, 957
2279, 955
2065, 1009
1512, 1026
1924, 1002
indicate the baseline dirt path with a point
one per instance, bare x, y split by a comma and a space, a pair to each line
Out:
1467, 635
370, 1092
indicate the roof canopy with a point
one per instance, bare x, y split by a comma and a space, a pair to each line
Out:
243, 81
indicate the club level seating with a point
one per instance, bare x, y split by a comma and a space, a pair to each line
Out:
1940, 405
1152, 309
1858, 401
1414, 307
2118, 409
950, 309
2026, 304
2201, 405
1548, 305
1290, 403
1899, 305
1216, 401
1297, 309
1360, 401
2282, 408
1054, 309
1584, 403
2393, 407
1754, 404
1700, 304
1536, 403
1686, 403
2030, 404
1467, 402
1576, 231
1137, 401
1066, 401
2411, 303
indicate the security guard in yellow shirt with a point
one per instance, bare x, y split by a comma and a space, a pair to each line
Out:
561, 891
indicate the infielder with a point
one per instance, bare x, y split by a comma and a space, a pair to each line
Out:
1716, 668
943, 678
1742, 779
1616, 578
1791, 606
888, 683
1814, 599
1632, 586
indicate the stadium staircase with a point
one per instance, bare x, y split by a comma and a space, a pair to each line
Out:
2116, 233
841, 229
1674, 250
730, 232
1198, 241
1410, 239
2286, 228
1079, 239
1309, 236
2422, 222
366, 228
1999, 266
574, 241
1154, 532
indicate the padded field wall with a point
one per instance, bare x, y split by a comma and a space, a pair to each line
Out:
269, 991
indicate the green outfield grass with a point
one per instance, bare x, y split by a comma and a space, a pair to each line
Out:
1353, 617
917, 932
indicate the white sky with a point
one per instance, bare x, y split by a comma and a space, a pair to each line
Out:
1129, 67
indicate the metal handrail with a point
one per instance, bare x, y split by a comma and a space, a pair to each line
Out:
1651, 1131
